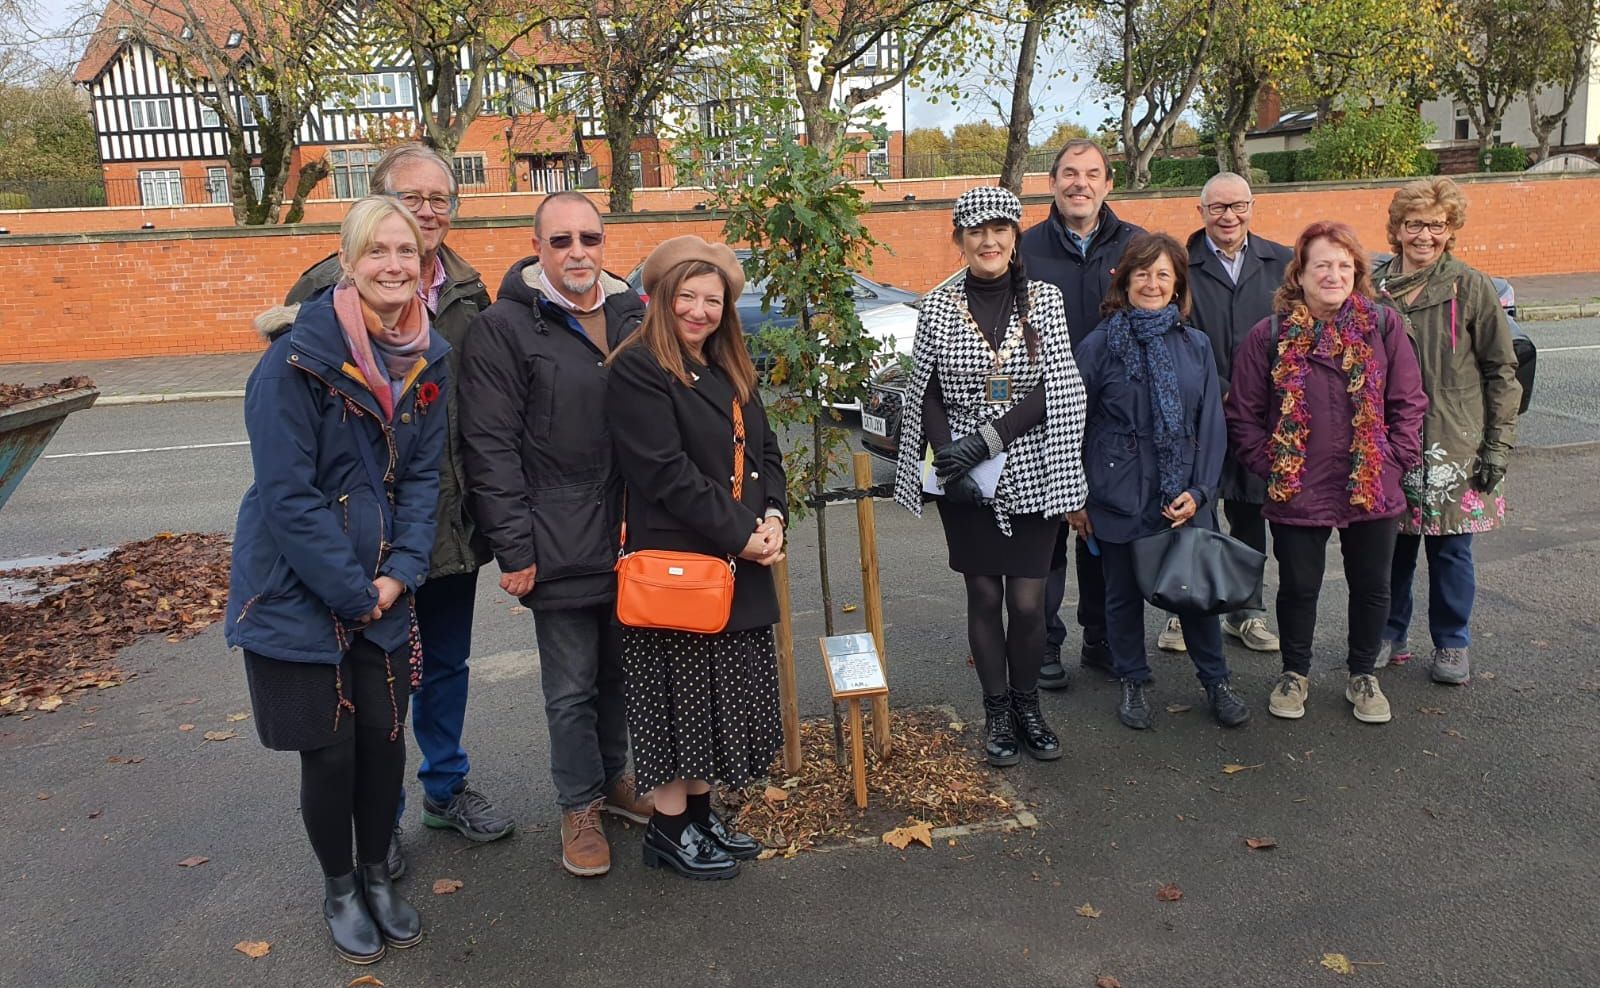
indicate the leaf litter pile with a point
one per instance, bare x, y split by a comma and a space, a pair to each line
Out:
172, 585
933, 778
16, 394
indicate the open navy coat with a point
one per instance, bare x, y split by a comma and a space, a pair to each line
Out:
1119, 445
315, 528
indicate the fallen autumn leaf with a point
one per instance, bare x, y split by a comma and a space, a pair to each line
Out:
1260, 843
447, 886
1169, 893
255, 949
1233, 769
49, 704
365, 979
1088, 912
193, 861
236, 718
776, 795
220, 736
1179, 708
1107, 981
186, 728
900, 837
1338, 964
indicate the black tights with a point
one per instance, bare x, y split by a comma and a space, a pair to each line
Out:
1006, 652
359, 777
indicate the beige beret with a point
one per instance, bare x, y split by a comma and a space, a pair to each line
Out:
671, 253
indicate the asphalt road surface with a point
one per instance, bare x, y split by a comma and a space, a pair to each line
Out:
1455, 848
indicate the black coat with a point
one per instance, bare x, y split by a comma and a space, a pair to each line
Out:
675, 449
1226, 312
1048, 255
541, 478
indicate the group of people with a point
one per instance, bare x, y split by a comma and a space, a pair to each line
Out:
1087, 375
1082, 375
403, 432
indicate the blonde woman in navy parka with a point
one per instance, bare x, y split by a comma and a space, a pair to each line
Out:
346, 414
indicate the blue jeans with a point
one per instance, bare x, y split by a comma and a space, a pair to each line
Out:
439, 706
580, 669
1125, 624
1452, 585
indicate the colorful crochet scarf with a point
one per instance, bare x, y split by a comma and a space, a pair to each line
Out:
1134, 336
1348, 339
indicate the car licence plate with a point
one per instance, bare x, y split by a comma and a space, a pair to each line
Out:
875, 424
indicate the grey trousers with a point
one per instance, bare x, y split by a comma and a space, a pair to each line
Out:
580, 668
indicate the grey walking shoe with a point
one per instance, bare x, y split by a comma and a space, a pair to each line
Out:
1450, 666
1392, 653
1252, 633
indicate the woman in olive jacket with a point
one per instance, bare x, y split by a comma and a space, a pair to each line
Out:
1469, 370
684, 411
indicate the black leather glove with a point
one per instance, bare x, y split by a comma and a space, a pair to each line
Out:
960, 456
1491, 470
963, 490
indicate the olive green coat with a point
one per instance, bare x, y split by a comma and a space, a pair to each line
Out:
1469, 371
457, 546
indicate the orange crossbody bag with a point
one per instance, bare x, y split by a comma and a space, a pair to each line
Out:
679, 591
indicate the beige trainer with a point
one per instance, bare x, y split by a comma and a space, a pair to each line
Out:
1371, 706
1288, 697
1171, 637
623, 800
584, 850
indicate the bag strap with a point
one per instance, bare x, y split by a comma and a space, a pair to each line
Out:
738, 474
381, 483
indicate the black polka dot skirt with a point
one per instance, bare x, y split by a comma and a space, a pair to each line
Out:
701, 706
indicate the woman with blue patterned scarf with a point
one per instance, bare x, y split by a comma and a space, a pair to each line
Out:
1152, 453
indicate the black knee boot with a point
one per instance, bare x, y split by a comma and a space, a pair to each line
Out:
355, 935
999, 733
1037, 738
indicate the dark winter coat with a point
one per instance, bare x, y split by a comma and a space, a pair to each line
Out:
675, 448
542, 479
1048, 255
1225, 312
1119, 444
1324, 499
315, 528
457, 545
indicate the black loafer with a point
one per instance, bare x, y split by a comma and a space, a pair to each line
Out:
694, 855
739, 846
355, 935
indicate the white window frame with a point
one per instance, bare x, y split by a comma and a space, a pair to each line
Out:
217, 185
375, 91
258, 179
150, 114
160, 187
350, 169
209, 117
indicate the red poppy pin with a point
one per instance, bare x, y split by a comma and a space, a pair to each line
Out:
427, 394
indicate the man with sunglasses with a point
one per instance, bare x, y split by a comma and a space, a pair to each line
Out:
1232, 277
545, 488
425, 184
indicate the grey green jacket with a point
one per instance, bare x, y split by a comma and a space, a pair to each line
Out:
1469, 370
458, 547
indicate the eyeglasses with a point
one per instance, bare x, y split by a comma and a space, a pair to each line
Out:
589, 238
1239, 208
413, 201
1434, 227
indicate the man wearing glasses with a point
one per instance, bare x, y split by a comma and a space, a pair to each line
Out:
1232, 276
545, 489
453, 291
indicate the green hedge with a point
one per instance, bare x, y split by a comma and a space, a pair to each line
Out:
1505, 158
1181, 173
1279, 165
13, 200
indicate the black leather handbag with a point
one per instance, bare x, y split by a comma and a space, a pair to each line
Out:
1193, 570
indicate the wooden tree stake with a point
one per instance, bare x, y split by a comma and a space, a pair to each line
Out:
872, 598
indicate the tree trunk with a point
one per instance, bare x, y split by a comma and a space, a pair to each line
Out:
1232, 155
1542, 127
311, 173
1021, 106
821, 132
620, 131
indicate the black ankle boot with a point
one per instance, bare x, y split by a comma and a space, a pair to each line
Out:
692, 854
355, 935
999, 733
396, 919
1037, 738
1135, 709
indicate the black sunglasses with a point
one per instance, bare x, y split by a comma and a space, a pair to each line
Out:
561, 241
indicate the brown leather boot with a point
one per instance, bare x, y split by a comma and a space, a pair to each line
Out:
623, 800
584, 850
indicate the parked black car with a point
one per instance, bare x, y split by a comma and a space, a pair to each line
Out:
880, 411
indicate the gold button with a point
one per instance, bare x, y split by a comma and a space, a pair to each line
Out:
405, 416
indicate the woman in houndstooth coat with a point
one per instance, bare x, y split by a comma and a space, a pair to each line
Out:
996, 394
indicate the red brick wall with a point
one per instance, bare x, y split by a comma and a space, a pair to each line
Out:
169, 291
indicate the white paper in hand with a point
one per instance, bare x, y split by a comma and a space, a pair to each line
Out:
985, 474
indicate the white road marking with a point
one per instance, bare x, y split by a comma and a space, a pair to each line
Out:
147, 449
1560, 349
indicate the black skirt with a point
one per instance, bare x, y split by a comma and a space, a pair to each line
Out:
303, 706
979, 548
701, 706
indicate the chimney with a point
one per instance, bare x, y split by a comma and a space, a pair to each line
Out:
1269, 107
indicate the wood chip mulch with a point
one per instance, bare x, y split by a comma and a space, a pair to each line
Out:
172, 585
935, 775
16, 394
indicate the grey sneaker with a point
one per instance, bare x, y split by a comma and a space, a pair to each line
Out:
470, 814
1370, 705
1450, 666
1392, 653
1252, 633
1171, 637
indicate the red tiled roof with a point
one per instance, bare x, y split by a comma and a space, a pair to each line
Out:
216, 17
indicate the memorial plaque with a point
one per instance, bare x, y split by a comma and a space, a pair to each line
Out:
853, 665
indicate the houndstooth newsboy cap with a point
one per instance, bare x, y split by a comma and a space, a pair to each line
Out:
985, 204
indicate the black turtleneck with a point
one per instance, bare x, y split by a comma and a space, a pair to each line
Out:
990, 302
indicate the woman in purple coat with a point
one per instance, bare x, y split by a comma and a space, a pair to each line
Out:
1326, 405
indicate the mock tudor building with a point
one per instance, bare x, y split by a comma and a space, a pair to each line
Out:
160, 146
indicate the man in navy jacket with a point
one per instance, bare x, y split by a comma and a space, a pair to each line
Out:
1232, 278
1076, 249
